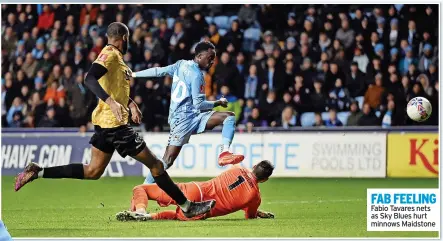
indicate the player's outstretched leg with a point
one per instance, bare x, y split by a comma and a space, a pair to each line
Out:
161, 177
94, 170
169, 157
228, 120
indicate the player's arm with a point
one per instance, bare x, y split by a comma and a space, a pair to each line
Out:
131, 103
251, 210
198, 93
156, 72
135, 111
91, 81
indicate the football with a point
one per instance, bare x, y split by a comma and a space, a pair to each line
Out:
419, 109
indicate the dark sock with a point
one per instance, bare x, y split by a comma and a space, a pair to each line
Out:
166, 184
68, 171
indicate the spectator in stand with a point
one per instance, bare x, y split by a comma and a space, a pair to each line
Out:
412, 73
252, 81
247, 15
274, 78
38, 51
287, 101
17, 106
368, 118
135, 21
17, 121
269, 107
255, 119
361, 59
79, 97
413, 36
355, 81
225, 72
394, 57
152, 105
300, 95
308, 72
426, 59
55, 92
324, 42
288, 118
339, 97
331, 76
407, 61
345, 35
88, 14
324, 57
49, 119
269, 44
21, 51
234, 35
36, 108
374, 93
354, 114
100, 27
391, 117
318, 120
432, 73
247, 110
318, 97
62, 113
29, 66
333, 120
46, 19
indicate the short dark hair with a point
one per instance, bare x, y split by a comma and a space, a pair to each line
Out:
203, 46
263, 170
117, 30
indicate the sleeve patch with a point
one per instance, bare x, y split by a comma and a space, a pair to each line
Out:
103, 57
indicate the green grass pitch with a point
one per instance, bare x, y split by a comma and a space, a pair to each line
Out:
303, 207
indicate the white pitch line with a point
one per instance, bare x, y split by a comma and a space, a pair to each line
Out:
314, 201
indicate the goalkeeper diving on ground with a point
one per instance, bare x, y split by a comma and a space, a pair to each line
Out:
235, 189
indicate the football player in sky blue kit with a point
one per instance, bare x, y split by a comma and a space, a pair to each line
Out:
189, 112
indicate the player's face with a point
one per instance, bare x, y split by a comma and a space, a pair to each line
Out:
207, 59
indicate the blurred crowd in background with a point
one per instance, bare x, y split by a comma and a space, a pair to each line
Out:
278, 65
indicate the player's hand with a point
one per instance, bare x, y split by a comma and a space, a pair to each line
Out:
116, 108
222, 102
136, 113
263, 214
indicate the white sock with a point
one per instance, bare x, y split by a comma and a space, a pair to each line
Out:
141, 211
224, 148
40, 173
185, 206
